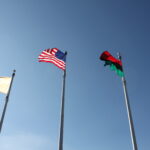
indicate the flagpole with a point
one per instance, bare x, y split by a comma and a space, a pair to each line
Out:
131, 125
6, 101
61, 131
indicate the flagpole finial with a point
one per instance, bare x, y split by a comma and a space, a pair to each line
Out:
14, 71
65, 52
119, 55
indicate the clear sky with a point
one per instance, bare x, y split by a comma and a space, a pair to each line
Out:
95, 112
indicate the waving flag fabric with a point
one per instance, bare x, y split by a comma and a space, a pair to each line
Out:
55, 56
4, 84
115, 64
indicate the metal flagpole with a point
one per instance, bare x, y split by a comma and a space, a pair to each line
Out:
61, 134
131, 125
6, 101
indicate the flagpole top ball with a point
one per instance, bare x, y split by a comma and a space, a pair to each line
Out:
14, 71
119, 55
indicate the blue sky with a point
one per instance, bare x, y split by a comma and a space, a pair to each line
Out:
95, 113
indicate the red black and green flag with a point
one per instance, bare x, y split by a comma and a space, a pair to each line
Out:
115, 64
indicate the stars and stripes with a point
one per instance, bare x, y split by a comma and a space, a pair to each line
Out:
55, 56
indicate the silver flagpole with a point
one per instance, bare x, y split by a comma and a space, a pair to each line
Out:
131, 125
6, 101
61, 134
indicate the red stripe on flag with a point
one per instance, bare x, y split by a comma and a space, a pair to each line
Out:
106, 56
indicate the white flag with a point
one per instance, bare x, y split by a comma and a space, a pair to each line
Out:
4, 84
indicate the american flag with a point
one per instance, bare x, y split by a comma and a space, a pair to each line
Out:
55, 56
